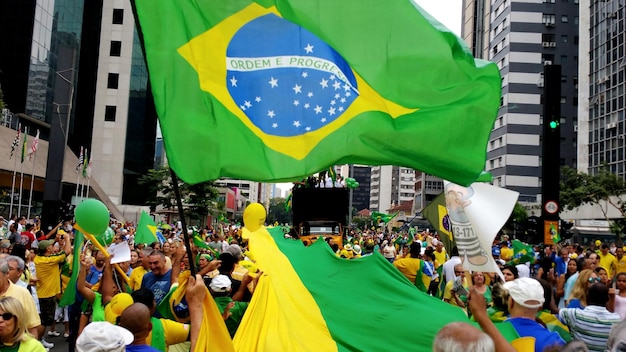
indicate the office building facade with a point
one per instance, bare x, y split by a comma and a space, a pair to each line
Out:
523, 37
390, 186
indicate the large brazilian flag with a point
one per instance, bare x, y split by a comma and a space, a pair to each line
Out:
312, 300
273, 90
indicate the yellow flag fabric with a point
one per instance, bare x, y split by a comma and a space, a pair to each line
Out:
213, 335
311, 300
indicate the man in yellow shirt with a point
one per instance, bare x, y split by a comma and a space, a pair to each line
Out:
9, 289
409, 266
440, 253
621, 260
47, 265
607, 260
134, 281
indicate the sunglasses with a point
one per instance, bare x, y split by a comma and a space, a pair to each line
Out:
7, 316
597, 279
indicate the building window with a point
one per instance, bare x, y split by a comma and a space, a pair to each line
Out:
549, 1
563, 100
109, 113
116, 48
118, 16
549, 19
563, 59
563, 78
564, 19
113, 80
563, 39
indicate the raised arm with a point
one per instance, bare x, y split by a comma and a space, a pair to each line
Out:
196, 292
81, 284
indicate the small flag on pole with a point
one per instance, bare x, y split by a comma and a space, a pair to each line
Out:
33, 147
16, 141
24, 145
80, 160
85, 163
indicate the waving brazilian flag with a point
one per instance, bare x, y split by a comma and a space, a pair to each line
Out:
294, 86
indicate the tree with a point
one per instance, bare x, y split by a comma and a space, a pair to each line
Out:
277, 212
198, 199
2, 105
517, 219
604, 190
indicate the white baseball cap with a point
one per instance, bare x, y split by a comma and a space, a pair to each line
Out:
526, 292
220, 283
103, 337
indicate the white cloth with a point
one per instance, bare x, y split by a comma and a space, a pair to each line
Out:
448, 268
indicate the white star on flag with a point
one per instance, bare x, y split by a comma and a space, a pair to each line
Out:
305, 75
318, 109
336, 85
308, 48
271, 114
296, 102
296, 123
331, 111
324, 83
274, 125
310, 94
233, 82
297, 89
306, 105
247, 104
257, 99
273, 82
323, 119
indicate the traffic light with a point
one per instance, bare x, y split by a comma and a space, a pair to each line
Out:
553, 124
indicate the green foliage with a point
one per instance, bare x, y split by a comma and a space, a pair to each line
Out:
277, 212
2, 104
604, 190
198, 199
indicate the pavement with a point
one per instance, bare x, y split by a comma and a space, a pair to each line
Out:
60, 342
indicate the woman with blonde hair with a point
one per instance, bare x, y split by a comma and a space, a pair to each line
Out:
13, 330
578, 297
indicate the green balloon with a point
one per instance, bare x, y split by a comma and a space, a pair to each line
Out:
92, 216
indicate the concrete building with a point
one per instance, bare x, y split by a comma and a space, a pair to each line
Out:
601, 125
390, 186
427, 187
81, 62
523, 36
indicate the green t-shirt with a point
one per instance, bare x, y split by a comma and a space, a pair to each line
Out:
237, 312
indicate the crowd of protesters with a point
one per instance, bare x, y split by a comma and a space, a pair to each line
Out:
567, 295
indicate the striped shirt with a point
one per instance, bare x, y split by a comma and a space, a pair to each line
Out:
591, 325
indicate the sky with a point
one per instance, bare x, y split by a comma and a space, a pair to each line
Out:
447, 12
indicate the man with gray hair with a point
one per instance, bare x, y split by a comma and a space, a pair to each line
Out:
462, 337
9, 289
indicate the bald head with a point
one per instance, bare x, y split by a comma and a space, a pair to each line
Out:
462, 337
136, 319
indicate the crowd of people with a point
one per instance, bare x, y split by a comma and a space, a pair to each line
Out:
566, 297
35, 272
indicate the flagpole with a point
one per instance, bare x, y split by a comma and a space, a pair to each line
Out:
19, 205
179, 204
19, 128
78, 175
32, 181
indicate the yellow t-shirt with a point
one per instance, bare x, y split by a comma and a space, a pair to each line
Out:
134, 281
441, 257
609, 262
621, 265
506, 253
24, 296
408, 267
174, 332
49, 274
447, 292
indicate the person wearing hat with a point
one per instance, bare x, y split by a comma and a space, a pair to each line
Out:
526, 298
592, 324
47, 266
232, 311
103, 337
